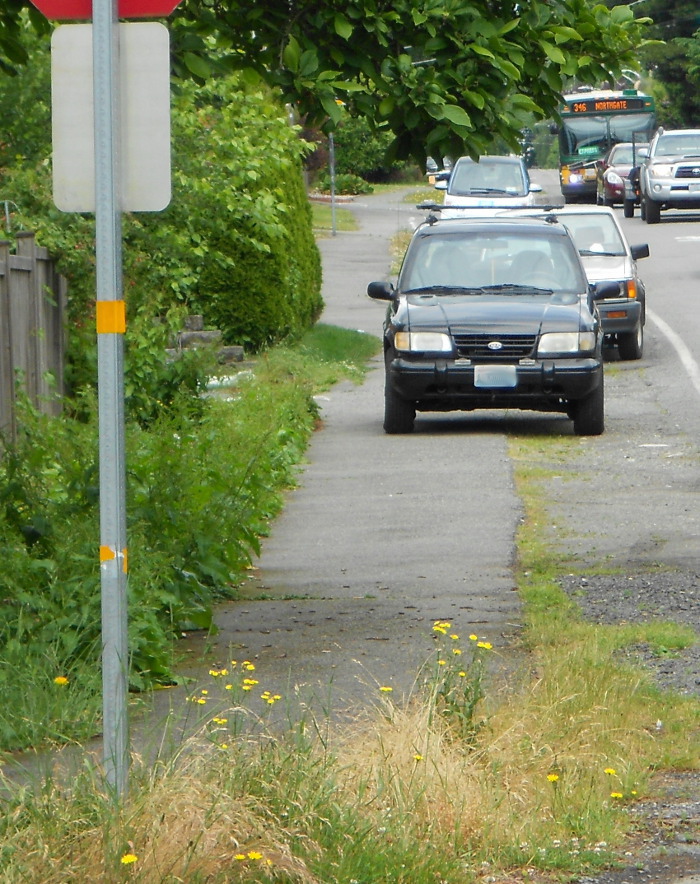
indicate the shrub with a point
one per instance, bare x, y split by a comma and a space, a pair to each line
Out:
346, 184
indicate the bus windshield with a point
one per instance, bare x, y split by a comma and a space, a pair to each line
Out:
588, 138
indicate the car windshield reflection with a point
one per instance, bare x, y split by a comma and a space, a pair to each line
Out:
474, 264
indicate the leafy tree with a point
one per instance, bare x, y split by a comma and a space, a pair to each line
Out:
444, 76
669, 58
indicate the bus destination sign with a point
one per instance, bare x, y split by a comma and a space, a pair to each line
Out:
605, 105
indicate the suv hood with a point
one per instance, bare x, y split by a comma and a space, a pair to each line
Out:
518, 314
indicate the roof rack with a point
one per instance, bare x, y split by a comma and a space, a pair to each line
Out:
502, 210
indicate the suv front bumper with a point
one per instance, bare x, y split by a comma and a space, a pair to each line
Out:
675, 193
619, 315
449, 384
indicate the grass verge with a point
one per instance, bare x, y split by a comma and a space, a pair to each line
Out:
533, 781
322, 218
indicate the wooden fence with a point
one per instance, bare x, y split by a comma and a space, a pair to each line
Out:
32, 345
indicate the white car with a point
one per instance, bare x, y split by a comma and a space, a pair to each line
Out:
608, 258
492, 182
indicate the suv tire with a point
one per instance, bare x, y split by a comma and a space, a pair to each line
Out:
630, 345
652, 214
399, 413
589, 413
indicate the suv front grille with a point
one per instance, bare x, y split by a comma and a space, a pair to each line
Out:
476, 346
689, 171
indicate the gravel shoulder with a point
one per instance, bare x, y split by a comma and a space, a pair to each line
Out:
623, 515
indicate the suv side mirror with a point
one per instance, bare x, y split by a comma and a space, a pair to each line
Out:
381, 291
640, 251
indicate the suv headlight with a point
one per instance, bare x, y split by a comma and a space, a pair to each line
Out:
423, 342
553, 343
613, 178
661, 170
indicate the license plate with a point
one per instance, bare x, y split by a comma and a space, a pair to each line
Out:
495, 376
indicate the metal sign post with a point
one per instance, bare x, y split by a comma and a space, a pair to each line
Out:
139, 61
111, 325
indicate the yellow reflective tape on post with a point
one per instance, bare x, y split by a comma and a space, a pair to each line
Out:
111, 317
107, 554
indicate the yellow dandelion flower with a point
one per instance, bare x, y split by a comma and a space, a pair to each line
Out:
205, 692
440, 629
60, 680
473, 637
454, 637
552, 777
229, 687
456, 652
201, 700
234, 663
223, 746
247, 687
223, 672
250, 681
462, 674
240, 857
128, 858
417, 757
442, 662
277, 696
616, 794
254, 854
486, 645
610, 771
386, 689
214, 672
249, 666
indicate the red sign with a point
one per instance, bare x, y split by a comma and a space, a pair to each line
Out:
71, 10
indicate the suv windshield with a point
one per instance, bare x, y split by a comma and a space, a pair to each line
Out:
488, 177
675, 145
474, 261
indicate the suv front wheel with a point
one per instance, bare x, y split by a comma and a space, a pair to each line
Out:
630, 345
589, 413
652, 212
399, 413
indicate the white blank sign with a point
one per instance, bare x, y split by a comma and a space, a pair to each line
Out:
144, 144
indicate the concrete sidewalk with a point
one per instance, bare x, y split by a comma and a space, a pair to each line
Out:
384, 534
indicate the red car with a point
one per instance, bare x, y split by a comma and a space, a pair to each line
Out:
612, 170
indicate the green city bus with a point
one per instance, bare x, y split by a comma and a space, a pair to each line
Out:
591, 122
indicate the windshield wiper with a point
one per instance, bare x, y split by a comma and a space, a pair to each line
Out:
514, 288
588, 252
445, 290
488, 190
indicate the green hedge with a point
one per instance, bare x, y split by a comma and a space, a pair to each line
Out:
236, 243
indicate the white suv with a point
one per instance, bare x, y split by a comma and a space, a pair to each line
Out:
669, 176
